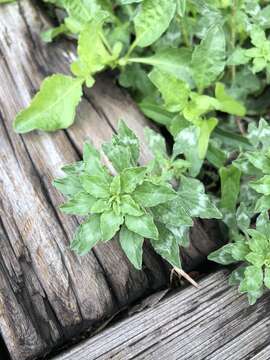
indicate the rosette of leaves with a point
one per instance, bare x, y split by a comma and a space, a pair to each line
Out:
252, 251
138, 202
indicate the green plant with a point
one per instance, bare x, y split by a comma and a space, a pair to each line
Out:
200, 68
137, 202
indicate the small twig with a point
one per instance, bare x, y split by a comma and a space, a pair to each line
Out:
181, 272
240, 125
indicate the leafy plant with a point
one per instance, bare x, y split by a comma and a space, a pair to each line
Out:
138, 202
201, 70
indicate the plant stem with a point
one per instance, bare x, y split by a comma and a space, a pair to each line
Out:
181, 272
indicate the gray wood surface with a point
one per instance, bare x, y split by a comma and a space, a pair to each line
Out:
214, 323
48, 295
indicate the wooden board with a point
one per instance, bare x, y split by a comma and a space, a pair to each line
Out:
48, 294
214, 323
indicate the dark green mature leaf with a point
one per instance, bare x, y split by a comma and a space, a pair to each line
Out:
53, 107
143, 225
262, 185
167, 246
152, 20
132, 244
110, 224
208, 58
96, 186
80, 204
230, 187
195, 201
87, 235
149, 194
223, 255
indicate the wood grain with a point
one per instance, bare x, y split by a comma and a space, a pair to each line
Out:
48, 294
214, 323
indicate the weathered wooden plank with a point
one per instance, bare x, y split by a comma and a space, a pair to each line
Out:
58, 294
214, 323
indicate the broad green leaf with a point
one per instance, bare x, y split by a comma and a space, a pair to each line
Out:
53, 107
223, 255
263, 204
131, 178
263, 224
253, 279
196, 203
199, 105
215, 155
227, 103
186, 142
239, 250
115, 187
167, 246
155, 142
174, 91
152, 20
149, 194
80, 204
87, 236
99, 206
260, 160
126, 137
237, 276
96, 186
262, 185
172, 61
69, 185
243, 217
129, 206
156, 112
109, 224
93, 54
92, 162
208, 58
172, 213
181, 234
206, 127
258, 242
132, 244
255, 259
230, 187
259, 134
143, 225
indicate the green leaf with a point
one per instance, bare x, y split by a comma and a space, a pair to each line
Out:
223, 255
149, 194
227, 103
92, 162
230, 187
206, 127
255, 259
260, 160
258, 242
154, 111
115, 187
167, 246
174, 91
80, 204
186, 142
99, 206
237, 276
96, 186
172, 213
131, 178
109, 224
172, 61
143, 225
69, 185
53, 107
193, 198
208, 58
243, 217
155, 142
132, 244
262, 185
253, 280
263, 204
259, 134
95, 57
129, 206
87, 235
152, 20
239, 250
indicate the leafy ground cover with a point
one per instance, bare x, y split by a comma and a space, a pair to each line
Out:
201, 69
